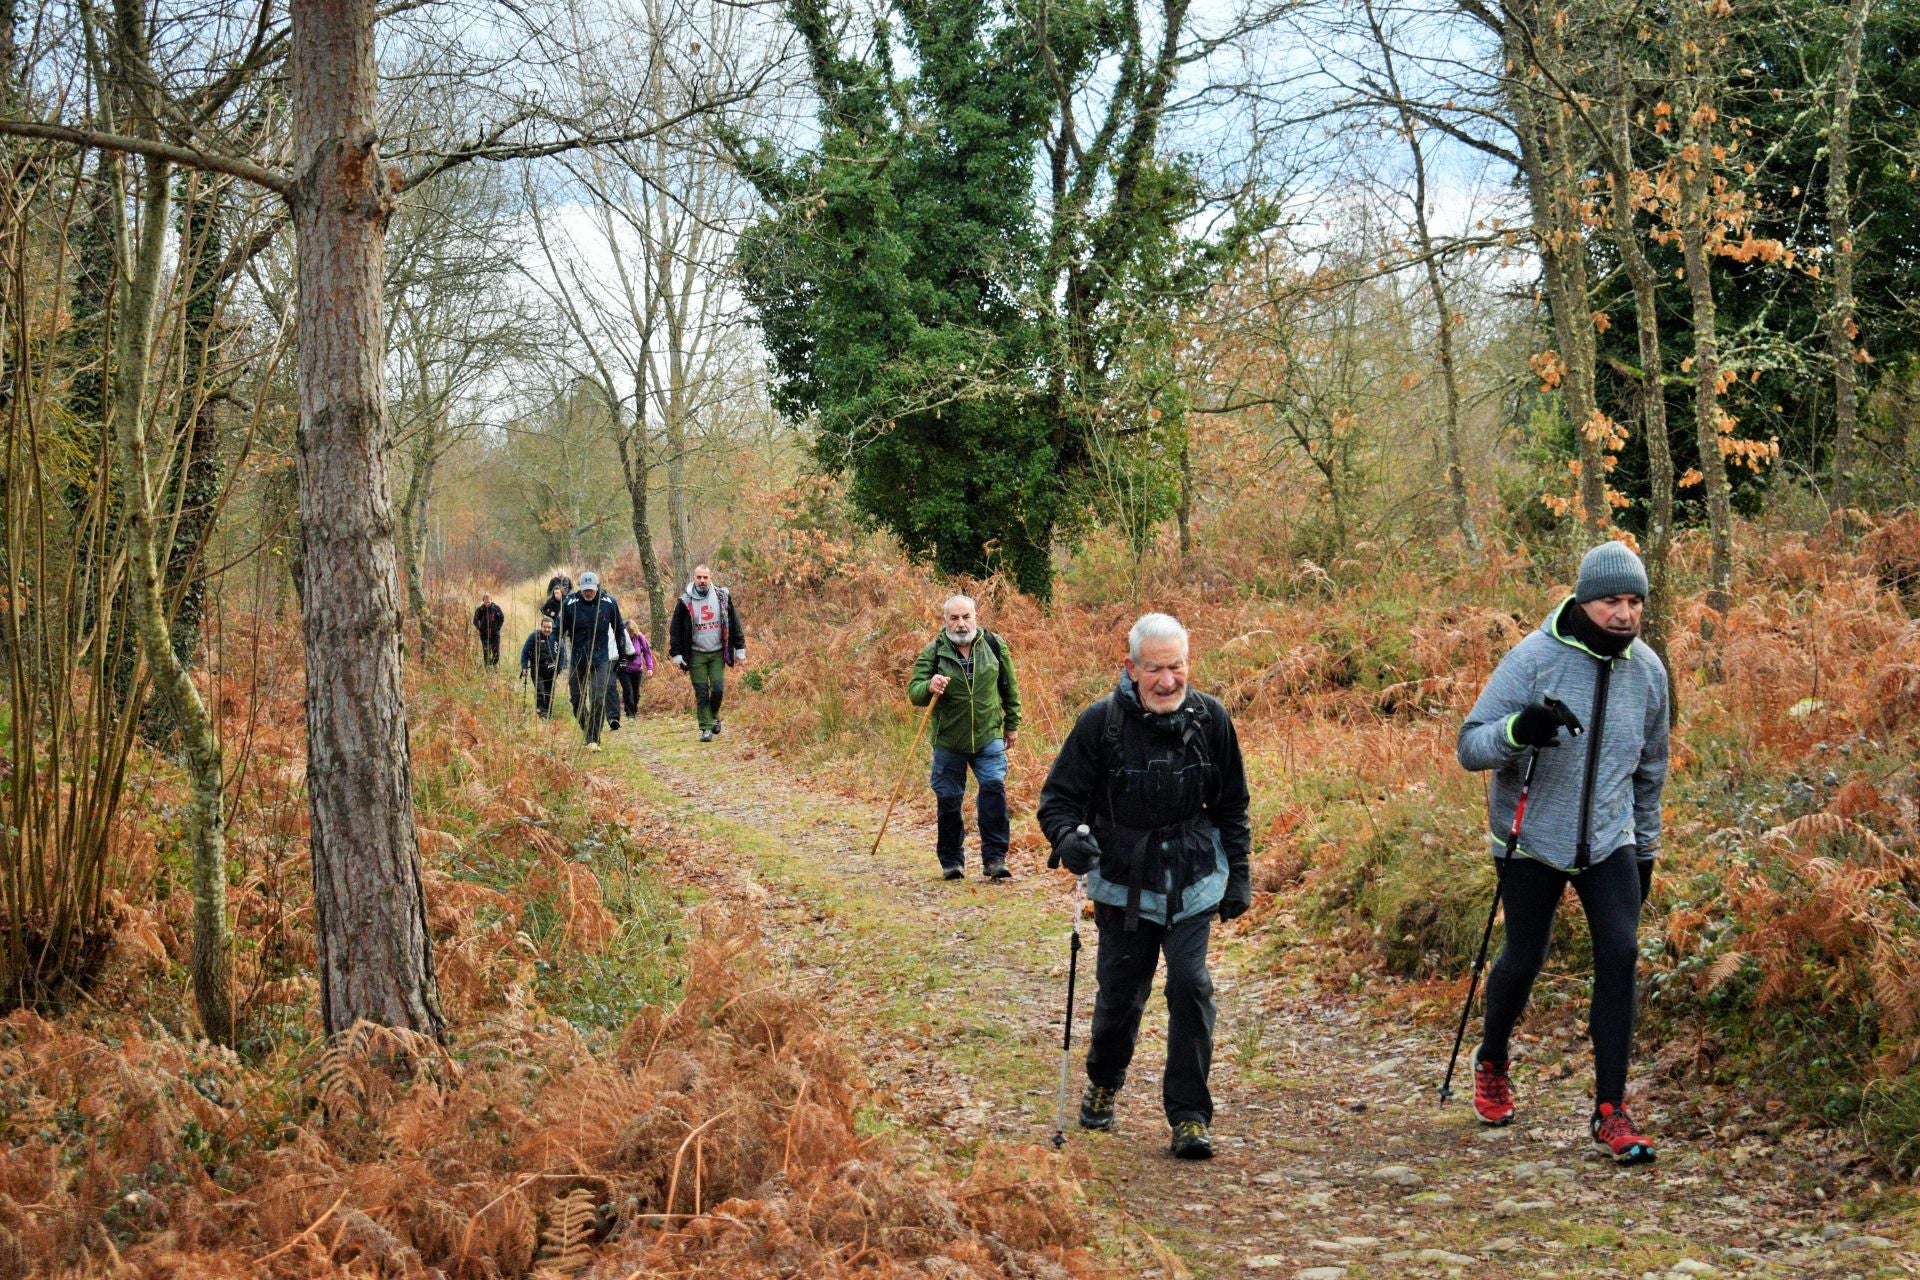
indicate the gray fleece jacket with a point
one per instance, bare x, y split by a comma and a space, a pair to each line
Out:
1604, 785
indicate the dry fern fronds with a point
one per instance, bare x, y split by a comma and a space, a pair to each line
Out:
566, 1246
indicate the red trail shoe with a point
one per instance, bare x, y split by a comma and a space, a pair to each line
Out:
1492, 1091
1614, 1134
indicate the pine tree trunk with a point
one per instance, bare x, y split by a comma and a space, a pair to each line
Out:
1706, 414
376, 955
1842, 335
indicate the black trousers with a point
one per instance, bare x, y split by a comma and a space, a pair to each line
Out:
543, 692
1124, 968
1609, 893
490, 649
591, 688
630, 690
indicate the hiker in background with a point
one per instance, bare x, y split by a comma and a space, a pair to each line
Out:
976, 721
705, 639
540, 659
487, 620
559, 587
1148, 800
591, 623
1592, 820
635, 669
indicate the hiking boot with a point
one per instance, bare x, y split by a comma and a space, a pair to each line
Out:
706, 735
716, 728
1096, 1107
952, 873
1492, 1091
1613, 1132
997, 870
1190, 1141
593, 746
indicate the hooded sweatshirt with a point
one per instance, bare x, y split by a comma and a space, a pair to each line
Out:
1592, 794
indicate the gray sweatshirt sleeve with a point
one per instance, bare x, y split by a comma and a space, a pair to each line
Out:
1486, 738
1650, 777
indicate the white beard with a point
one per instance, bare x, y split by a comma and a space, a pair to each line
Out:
965, 635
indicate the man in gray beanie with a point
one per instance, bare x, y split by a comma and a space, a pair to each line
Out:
1592, 819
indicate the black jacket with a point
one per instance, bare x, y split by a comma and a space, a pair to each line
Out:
487, 620
586, 624
733, 637
1155, 797
542, 659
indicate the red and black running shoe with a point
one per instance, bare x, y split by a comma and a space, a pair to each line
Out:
1492, 1091
1614, 1133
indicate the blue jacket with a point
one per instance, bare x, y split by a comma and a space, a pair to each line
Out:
1623, 706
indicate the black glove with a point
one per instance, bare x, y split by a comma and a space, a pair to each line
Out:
1645, 866
1539, 724
1077, 852
1239, 895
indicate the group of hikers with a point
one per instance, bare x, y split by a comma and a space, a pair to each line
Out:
1146, 803
606, 656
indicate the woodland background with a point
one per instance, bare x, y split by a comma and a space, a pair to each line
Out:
1339, 329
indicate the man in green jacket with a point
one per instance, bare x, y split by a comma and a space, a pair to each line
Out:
968, 675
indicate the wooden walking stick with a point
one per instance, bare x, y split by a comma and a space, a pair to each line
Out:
926, 717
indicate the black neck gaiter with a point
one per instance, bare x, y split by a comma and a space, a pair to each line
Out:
1576, 625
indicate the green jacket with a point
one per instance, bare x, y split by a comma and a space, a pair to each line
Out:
975, 709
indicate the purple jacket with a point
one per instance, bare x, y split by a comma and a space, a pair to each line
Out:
641, 663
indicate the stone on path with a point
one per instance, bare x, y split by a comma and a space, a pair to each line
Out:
1692, 1267
1321, 1273
1398, 1175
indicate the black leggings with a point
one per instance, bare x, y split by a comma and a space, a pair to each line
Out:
1609, 893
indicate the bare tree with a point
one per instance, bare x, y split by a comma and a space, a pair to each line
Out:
1842, 328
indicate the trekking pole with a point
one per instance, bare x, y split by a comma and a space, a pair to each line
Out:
1066, 1032
1499, 883
925, 718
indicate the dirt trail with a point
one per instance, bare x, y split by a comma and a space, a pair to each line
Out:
1334, 1161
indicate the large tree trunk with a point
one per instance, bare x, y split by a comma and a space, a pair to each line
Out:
376, 955
1842, 330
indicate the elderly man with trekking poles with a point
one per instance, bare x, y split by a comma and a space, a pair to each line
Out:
1148, 801
1573, 725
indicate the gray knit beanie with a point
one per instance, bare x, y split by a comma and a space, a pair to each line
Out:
1610, 569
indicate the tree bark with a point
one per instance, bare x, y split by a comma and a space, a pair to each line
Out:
1842, 329
413, 526
376, 955
1553, 173
140, 262
1696, 186
1618, 159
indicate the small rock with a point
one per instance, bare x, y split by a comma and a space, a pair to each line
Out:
1398, 1175
1265, 1262
1834, 1230
1317, 1200
1732, 1254
1692, 1267
1444, 1258
1505, 1244
1385, 1068
1321, 1273
1357, 1242
1270, 1178
1429, 1197
1509, 1207
1863, 1242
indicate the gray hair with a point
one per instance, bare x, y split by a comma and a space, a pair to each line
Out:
951, 600
1154, 626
